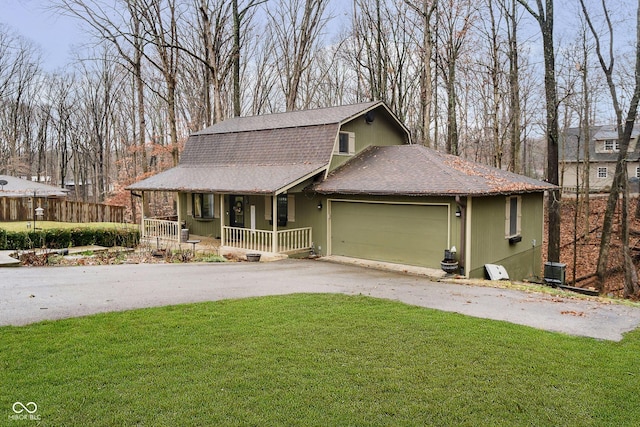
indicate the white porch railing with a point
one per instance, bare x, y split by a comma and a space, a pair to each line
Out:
262, 240
169, 230
245, 238
294, 240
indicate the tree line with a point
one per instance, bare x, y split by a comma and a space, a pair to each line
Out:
482, 79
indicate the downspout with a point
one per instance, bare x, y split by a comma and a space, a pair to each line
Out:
462, 205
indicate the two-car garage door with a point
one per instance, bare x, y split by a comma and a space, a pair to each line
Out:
401, 233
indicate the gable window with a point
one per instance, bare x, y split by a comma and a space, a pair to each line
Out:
346, 143
602, 172
513, 216
202, 205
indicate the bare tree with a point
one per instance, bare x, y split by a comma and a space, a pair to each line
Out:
160, 26
425, 11
455, 23
511, 16
296, 26
544, 16
624, 129
120, 26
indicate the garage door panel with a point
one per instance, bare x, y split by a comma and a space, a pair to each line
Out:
407, 234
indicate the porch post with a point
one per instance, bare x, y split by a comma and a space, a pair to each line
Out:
178, 207
222, 216
274, 222
143, 215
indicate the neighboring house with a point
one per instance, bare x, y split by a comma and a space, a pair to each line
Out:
604, 149
11, 186
347, 181
21, 199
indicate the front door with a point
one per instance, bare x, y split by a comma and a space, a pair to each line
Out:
236, 215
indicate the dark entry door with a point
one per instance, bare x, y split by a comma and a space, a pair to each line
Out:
236, 212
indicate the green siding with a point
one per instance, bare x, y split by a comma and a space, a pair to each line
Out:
384, 130
489, 245
401, 233
197, 226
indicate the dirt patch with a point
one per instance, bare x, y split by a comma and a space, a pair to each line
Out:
585, 230
120, 256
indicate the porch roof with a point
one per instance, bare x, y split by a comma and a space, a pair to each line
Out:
417, 170
244, 179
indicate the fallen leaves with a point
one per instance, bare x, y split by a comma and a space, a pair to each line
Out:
574, 313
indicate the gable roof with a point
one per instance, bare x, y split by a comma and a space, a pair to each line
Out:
291, 119
420, 171
571, 147
257, 154
18, 187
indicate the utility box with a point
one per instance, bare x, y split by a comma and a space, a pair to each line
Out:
554, 273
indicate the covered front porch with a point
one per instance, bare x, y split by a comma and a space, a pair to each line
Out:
237, 221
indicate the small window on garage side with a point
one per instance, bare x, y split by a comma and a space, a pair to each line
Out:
346, 143
602, 172
513, 213
202, 205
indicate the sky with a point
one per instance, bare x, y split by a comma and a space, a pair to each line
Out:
54, 34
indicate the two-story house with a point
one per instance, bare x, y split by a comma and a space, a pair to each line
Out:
347, 181
604, 148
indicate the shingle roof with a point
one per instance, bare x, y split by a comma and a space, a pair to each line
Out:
247, 162
291, 119
417, 170
309, 144
245, 179
257, 154
571, 148
18, 187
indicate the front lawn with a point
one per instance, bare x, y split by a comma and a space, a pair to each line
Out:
313, 360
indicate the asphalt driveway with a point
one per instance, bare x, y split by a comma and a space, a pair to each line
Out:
30, 295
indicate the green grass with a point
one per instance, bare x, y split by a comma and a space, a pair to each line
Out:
47, 225
318, 360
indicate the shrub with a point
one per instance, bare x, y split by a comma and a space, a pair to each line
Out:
63, 238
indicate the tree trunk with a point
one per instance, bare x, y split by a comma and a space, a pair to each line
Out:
514, 90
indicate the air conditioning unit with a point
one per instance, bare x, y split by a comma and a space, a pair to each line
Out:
554, 273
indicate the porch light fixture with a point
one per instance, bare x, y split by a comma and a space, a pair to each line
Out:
319, 205
458, 213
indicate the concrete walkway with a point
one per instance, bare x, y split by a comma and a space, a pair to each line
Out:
6, 260
30, 295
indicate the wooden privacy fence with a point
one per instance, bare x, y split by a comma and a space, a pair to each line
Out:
61, 210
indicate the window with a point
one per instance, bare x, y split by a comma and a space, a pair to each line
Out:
513, 216
202, 205
602, 172
286, 208
346, 143
612, 145
637, 171
282, 209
